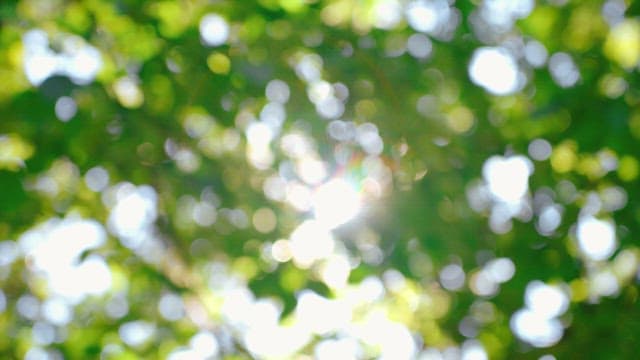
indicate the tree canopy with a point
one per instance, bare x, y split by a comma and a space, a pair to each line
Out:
329, 179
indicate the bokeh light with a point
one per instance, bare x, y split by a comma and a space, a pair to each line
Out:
495, 70
330, 179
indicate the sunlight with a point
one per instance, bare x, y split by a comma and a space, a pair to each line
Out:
623, 43
496, 70
343, 348
388, 13
335, 271
426, 16
78, 60
57, 311
503, 13
54, 249
276, 342
128, 92
310, 241
500, 270
537, 323
312, 310
335, 203
136, 333
596, 238
537, 330
205, 345
133, 213
214, 29
473, 350
394, 339
546, 300
508, 177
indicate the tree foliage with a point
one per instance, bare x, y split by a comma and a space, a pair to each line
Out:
319, 178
